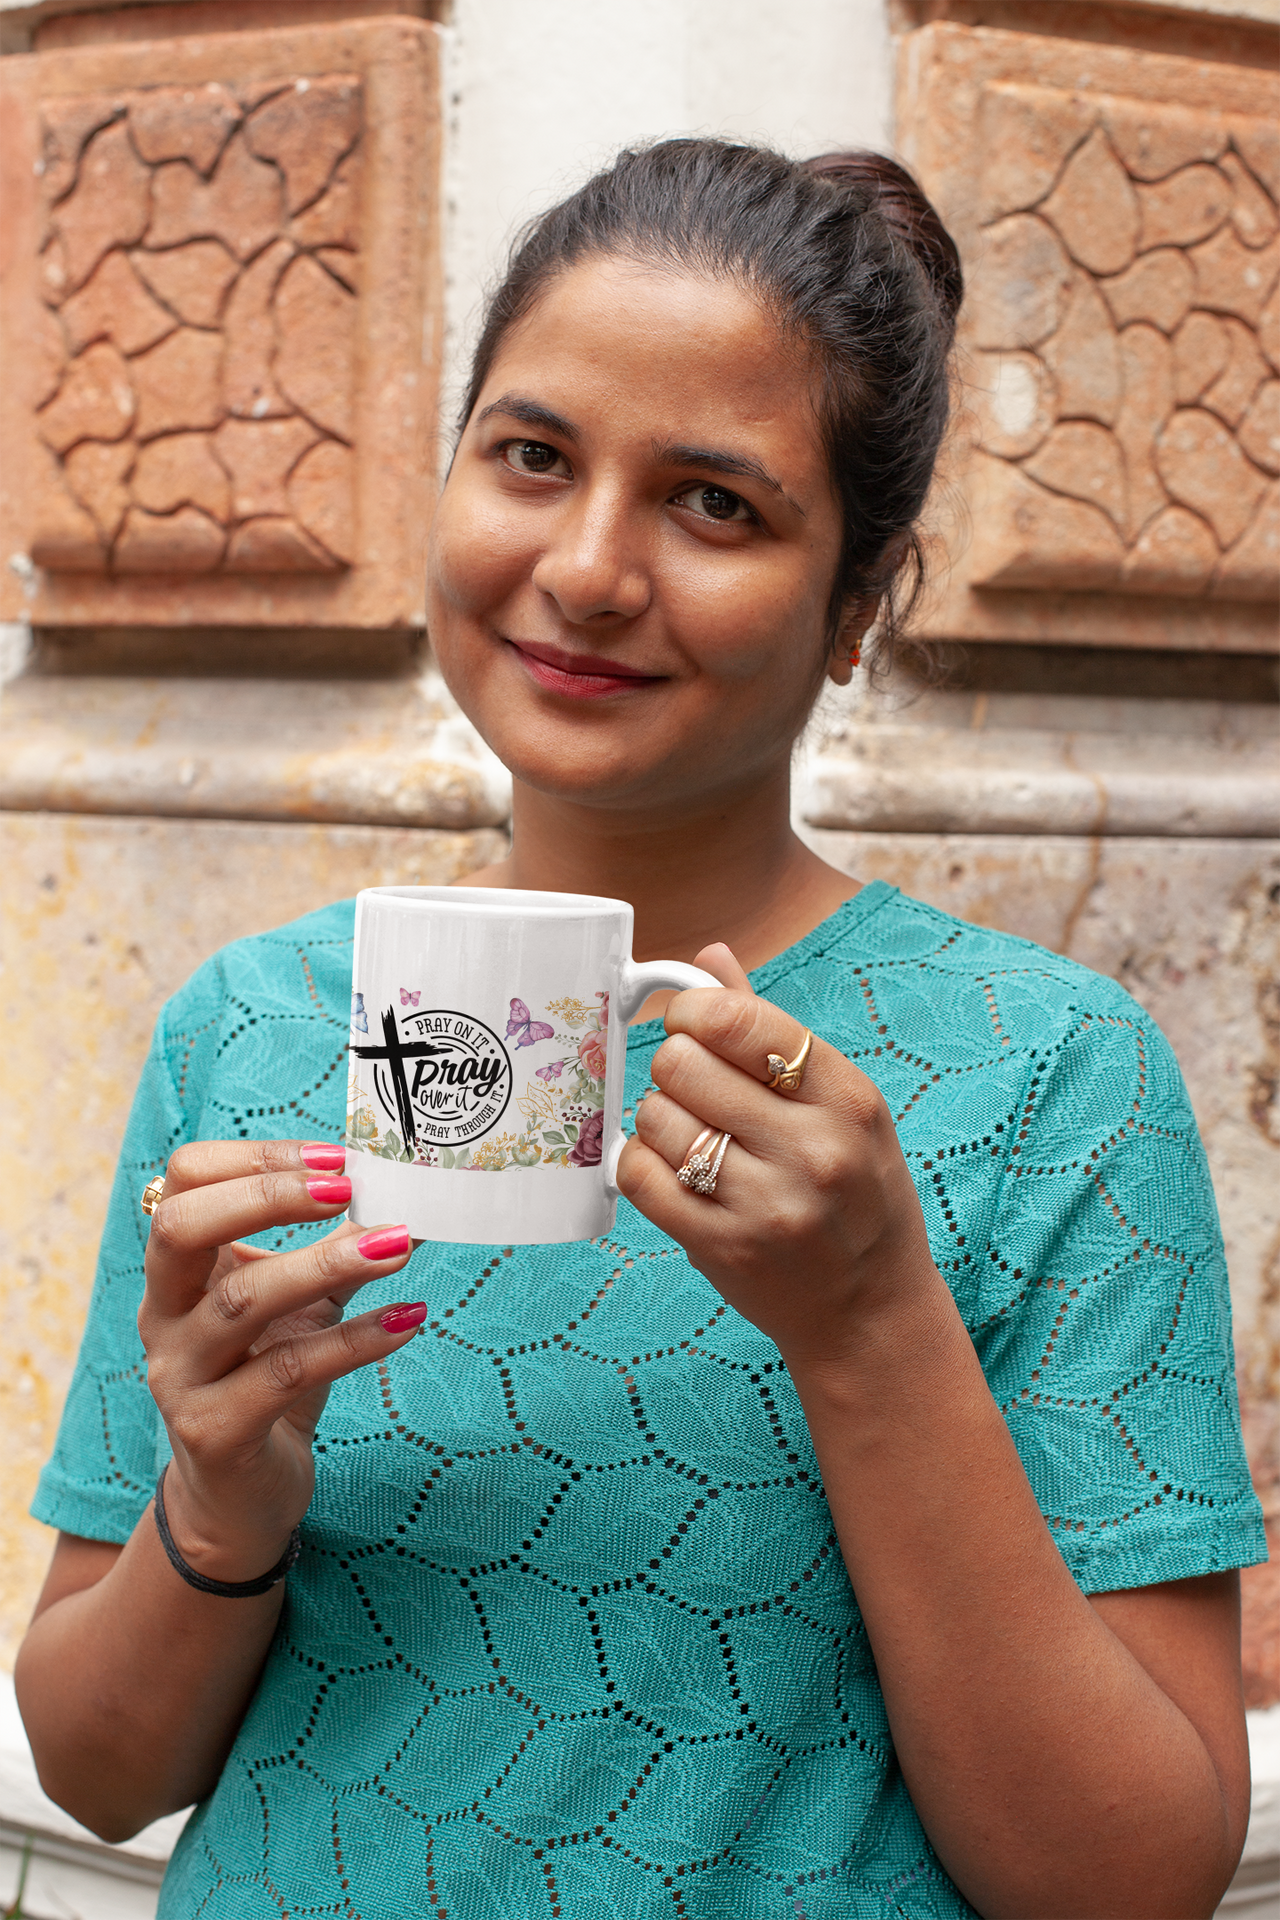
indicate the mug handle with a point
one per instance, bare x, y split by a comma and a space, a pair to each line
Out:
638, 980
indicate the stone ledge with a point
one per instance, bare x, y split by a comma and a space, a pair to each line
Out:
1013, 780
389, 753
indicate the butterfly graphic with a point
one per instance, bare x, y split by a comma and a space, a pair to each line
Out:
552, 1071
526, 1029
359, 1018
408, 999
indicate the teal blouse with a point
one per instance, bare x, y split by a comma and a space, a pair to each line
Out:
571, 1633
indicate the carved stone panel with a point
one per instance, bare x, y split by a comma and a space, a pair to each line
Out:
1118, 448
204, 431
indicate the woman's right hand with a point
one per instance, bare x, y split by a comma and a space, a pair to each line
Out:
243, 1345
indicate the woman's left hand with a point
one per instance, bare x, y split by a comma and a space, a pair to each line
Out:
815, 1225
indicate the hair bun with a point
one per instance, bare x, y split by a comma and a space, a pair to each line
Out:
899, 200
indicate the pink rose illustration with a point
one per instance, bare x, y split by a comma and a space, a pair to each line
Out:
591, 1053
586, 1149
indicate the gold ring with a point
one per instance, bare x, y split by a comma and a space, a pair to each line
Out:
785, 1075
700, 1171
151, 1194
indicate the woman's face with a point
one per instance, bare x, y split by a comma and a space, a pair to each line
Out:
632, 559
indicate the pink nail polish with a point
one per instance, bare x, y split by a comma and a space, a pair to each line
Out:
385, 1243
330, 1192
323, 1158
403, 1319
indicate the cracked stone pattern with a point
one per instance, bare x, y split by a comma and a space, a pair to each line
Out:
1126, 311
196, 380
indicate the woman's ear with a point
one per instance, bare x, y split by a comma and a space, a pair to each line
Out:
847, 651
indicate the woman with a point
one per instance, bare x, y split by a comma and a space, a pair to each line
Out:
574, 1626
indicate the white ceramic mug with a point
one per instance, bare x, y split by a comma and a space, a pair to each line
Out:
488, 1054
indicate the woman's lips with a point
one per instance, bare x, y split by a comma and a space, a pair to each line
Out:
579, 676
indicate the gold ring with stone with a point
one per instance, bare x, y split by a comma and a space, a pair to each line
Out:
785, 1075
151, 1194
701, 1170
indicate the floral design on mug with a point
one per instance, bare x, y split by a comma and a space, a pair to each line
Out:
562, 1106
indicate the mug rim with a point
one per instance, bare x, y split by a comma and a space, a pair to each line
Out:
522, 901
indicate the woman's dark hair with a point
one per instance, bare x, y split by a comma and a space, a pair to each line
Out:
849, 255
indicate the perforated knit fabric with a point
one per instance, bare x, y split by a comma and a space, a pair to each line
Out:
571, 1634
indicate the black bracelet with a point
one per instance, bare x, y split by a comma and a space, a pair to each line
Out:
225, 1589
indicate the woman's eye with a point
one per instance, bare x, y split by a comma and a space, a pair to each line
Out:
714, 503
531, 456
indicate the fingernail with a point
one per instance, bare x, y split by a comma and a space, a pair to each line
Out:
386, 1243
402, 1319
325, 1159
330, 1193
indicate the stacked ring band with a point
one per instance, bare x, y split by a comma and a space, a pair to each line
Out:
151, 1194
785, 1075
701, 1170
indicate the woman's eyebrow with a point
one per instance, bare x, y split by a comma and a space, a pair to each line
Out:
717, 460
529, 414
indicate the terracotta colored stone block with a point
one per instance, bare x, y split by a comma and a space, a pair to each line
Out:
69, 538
1025, 136
1201, 349
187, 541
48, 357
260, 455
1019, 291
1201, 464
1021, 402
1095, 208
109, 207
1083, 355
1253, 213
248, 382
275, 546
334, 220
1258, 141
192, 280
1246, 369
1248, 571
1159, 287
96, 472
1188, 206
67, 124
184, 123
95, 401
240, 205
306, 131
177, 383
1153, 139
1024, 535
321, 493
1174, 553
114, 305
1083, 461
181, 470
1259, 432
190, 334
1233, 278
316, 319
1147, 372
1105, 501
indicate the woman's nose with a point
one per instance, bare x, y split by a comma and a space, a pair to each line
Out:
593, 567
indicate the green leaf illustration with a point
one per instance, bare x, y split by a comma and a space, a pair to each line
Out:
462, 1159
446, 1157
553, 1139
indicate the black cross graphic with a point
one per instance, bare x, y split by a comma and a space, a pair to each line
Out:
395, 1053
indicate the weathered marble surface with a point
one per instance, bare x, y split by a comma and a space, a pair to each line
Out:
100, 920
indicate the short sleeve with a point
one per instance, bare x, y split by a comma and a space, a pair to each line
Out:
111, 1442
1105, 1316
